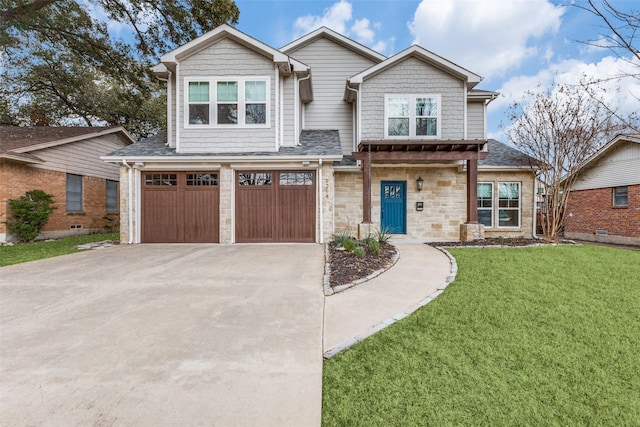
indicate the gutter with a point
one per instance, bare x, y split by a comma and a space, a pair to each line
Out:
129, 205
321, 205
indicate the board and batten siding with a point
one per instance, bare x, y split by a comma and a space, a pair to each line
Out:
475, 120
82, 157
331, 65
413, 76
617, 168
226, 58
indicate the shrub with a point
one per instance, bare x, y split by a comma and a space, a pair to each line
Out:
373, 246
349, 245
340, 238
359, 252
383, 235
30, 213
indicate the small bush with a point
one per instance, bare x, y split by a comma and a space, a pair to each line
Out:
359, 252
349, 245
29, 213
373, 246
383, 235
340, 238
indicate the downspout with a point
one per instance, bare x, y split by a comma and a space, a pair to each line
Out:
535, 207
168, 80
276, 108
129, 201
300, 119
321, 205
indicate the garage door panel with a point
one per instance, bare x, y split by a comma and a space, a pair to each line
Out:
296, 216
255, 213
180, 207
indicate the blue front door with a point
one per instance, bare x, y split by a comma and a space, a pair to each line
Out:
393, 207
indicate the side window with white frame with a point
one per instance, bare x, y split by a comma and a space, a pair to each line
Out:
412, 116
112, 196
227, 102
74, 193
485, 204
508, 204
621, 196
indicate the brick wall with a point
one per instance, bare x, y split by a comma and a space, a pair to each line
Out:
591, 210
16, 179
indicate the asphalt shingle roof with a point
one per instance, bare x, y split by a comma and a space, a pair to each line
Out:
500, 154
313, 143
12, 137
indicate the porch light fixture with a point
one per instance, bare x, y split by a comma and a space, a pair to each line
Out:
419, 182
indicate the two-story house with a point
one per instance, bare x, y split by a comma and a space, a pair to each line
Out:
321, 136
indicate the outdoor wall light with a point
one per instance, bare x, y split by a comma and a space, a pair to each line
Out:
419, 182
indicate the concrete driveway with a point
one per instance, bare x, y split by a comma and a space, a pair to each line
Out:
158, 335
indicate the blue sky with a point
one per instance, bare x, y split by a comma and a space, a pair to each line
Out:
514, 44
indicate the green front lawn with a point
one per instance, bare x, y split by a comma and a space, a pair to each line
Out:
534, 336
23, 252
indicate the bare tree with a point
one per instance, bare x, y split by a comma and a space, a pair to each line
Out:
561, 127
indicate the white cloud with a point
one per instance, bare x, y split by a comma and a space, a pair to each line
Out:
362, 31
618, 91
335, 17
339, 18
486, 36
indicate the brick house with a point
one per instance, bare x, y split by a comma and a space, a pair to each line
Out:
319, 136
604, 204
64, 162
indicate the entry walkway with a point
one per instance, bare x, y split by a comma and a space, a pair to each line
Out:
352, 315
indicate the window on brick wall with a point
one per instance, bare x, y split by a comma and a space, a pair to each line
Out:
508, 204
74, 193
485, 204
621, 196
112, 196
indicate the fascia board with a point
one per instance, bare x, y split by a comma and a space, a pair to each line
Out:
217, 159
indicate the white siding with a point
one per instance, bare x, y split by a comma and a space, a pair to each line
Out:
331, 65
288, 112
172, 110
413, 76
617, 168
83, 157
226, 58
475, 120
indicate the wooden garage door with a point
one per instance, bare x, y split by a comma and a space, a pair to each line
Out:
275, 206
180, 207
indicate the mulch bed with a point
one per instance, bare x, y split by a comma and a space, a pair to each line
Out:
345, 267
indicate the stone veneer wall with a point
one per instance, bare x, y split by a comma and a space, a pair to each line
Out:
443, 195
527, 203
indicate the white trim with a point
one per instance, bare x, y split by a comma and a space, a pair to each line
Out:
492, 203
471, 79
296, 100
221, 159
233, 205
169, 100
320, 204
138, 214
281, 111
178, 86
241, 102
412, 115
465, 112
497, 199
276, 108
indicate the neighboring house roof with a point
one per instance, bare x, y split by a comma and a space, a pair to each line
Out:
16, 142
324, 32
313, 144
617, 140
484, 95
503, 156
286, 64
425, 55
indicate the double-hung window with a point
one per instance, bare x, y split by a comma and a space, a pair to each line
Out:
112, 196
485, 204
228, 102
508, 204
74, 193
620, 196
412, 116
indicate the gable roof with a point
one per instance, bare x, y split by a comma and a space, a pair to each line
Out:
286, 64
611, 145
503, 156
471, 79
16, 142
327, 33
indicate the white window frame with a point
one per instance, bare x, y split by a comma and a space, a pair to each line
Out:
626, 204
412, 115
491, 209
213, 110
519, 208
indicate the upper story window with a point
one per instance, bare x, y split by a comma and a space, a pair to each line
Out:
227, 102
412, 116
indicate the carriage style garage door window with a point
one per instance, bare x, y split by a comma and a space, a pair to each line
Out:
180, 207
275, 206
